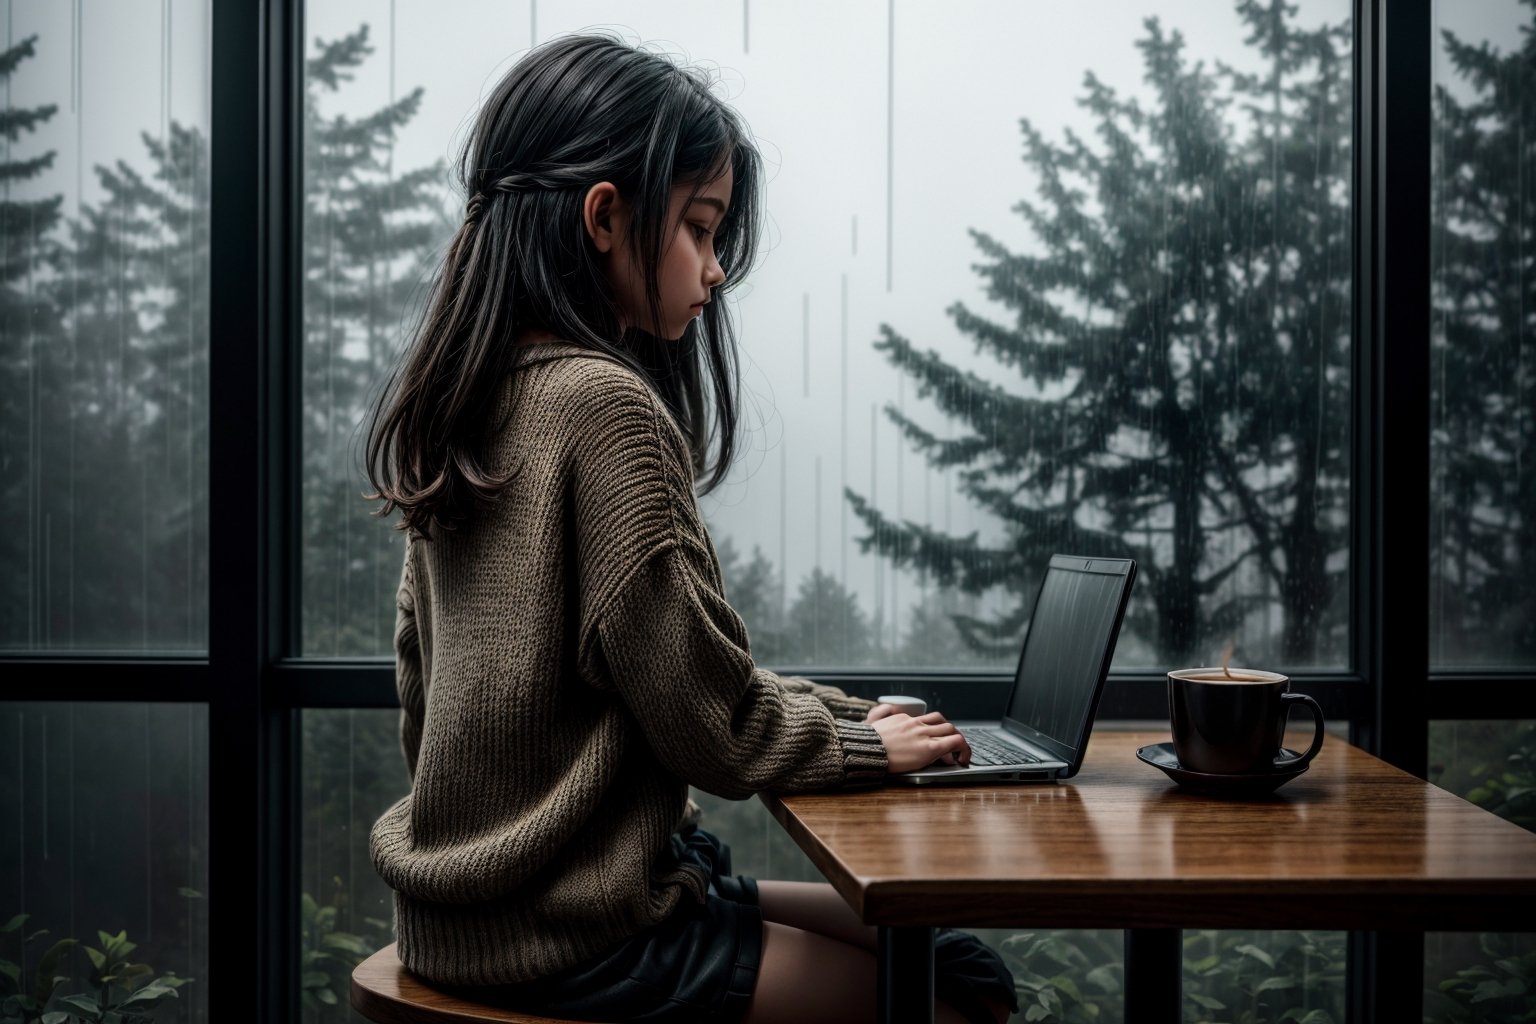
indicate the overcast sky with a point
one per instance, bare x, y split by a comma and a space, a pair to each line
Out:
810, 78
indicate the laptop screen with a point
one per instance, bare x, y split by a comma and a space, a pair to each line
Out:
1075, 622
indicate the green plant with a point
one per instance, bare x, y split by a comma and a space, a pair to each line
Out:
1066, 977
1500, 991
328, 955
122, 992
23, 1001
1281, 978
112, 973
1511, 792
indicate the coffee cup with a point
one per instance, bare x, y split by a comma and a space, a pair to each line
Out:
913, 706
1234, 723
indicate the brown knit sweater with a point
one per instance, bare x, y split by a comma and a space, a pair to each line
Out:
567, 666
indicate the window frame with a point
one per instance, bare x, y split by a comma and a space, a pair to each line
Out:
256, 691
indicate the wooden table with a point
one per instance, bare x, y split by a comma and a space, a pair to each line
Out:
1353, 844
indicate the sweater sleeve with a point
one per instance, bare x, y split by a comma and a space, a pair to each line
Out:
409, 684
854, 709
657, 629
676, 651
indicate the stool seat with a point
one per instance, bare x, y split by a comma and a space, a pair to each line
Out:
386, 993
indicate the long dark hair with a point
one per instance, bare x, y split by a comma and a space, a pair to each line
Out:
574, 111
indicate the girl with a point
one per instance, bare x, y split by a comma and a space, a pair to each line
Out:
567, 663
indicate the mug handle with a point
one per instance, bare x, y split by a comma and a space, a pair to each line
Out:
1289, 700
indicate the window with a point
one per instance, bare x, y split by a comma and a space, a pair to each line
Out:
976, 344
1483, 383
106, 824
104, 328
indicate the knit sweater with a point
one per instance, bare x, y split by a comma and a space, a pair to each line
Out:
567, 666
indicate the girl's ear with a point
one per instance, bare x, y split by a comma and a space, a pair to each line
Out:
601, 213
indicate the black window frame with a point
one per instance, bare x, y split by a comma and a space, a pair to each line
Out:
255, 690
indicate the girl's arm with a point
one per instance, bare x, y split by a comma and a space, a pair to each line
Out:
656, 627
676, 651
855, 709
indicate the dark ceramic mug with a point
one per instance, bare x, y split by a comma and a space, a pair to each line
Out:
1235, 726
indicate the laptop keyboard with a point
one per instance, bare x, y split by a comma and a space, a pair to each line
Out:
986, 748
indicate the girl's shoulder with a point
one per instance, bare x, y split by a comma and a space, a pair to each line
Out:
591, 393
568, 361
580, 378
554, 350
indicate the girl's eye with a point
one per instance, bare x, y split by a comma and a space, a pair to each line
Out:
699, 231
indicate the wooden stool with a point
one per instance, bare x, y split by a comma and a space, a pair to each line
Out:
386, 993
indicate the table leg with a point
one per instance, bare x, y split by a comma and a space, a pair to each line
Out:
1386, 976
904, 981
1154, 974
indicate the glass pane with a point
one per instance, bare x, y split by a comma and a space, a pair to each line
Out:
971, 345
1071, 975
107, 810
1483, 383
1480, 977
1264, 976
104, 327
373, 220
1492, 764
1470, 976
351, 771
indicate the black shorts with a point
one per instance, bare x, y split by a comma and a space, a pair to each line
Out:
701, 963
698, 965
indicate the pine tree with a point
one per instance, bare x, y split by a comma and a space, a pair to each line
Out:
29, 333
175, 446
825, 624
128, 466
934, 638
99, 408
1483, 383
370, 234
1182, 338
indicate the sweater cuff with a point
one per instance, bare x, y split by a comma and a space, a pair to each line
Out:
851, 709
864, 759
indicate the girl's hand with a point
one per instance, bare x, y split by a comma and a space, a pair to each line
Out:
912, 743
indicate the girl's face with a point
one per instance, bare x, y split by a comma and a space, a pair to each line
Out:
688, 272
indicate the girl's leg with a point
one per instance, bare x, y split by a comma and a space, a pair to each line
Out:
808, 978
815, 907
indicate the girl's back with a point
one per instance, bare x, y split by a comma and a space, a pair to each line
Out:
523, 756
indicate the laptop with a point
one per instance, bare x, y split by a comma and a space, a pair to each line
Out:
1062, 668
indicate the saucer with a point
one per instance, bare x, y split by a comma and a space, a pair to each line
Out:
1161, 755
